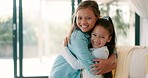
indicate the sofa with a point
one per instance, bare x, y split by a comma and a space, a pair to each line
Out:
132, 62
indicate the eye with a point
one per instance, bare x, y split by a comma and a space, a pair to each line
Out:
93, 34
101, 37
79, 18
88, 18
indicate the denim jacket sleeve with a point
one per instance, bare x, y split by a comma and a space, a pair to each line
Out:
79, 47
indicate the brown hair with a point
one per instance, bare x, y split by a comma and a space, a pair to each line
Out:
87, 4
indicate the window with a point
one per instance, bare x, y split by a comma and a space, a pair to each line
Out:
45, 25
124, 21
6, 43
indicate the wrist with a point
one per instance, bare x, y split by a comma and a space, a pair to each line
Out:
111, 60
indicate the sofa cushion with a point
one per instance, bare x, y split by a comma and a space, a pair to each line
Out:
131, 62
138, 63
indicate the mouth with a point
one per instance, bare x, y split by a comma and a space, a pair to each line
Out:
84, 26
96, 44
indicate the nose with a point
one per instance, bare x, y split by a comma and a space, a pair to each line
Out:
83, 22
97, 39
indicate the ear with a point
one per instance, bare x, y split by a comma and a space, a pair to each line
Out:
109, 38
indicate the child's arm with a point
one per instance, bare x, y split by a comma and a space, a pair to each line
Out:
66, 41
105, 65
79, 43
73, 61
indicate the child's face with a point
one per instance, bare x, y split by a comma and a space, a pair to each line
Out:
99, 36
85, 19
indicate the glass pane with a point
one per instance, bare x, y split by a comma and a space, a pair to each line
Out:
45, 25
124, 21
6, 48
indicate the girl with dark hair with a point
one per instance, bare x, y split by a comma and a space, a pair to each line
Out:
102, 46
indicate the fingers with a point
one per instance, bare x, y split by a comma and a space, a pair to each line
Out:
94, 65
99, 72
65, 42
105, 70
95, 68
68, 38
96, 71
99, 67
97, 60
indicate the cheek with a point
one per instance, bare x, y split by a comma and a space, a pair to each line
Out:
92, 40
77, 22
104, 42
92, 24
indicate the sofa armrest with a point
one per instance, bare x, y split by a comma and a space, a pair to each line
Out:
131, 62
147, 66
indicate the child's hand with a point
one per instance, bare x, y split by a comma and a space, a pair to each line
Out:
101, 66
66, 41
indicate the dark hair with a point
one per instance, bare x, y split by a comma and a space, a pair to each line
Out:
107, 23
87, 4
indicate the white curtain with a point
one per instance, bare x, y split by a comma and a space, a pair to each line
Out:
141, 8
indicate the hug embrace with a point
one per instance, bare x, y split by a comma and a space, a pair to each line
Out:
90, 50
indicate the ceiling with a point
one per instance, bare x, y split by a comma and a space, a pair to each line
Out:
82, 0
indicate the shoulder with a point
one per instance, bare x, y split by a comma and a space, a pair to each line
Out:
103, 49
102, 52
79, 33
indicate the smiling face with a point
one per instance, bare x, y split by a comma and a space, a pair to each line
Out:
85, 19
99, 36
